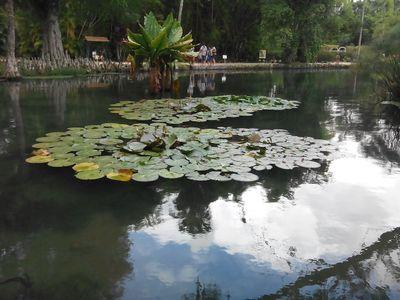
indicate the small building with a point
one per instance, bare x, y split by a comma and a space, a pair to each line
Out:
96, 47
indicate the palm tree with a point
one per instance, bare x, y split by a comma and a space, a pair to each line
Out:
11, 71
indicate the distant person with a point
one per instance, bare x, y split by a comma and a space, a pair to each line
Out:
190, 88
210, 82
201, 83
203, 53
213, 54
208, 57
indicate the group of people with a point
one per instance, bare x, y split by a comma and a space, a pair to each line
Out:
207, 55
204, 82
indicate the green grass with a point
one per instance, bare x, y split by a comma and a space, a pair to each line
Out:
70, 72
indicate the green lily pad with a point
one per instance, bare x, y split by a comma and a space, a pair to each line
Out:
217, 176
39, 159
110, 141
176, 162
145, 177
177, 111
244, 177
60, 163
308, 164
224, 153
89, 175
135, 147
169, 175
195, 176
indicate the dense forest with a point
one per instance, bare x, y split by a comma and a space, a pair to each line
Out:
288, 30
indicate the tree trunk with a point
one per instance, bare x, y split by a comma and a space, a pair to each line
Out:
155, 79
11, 71
180, 11
52, 41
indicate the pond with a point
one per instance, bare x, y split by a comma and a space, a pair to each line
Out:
327, 232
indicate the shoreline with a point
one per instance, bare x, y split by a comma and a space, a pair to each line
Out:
268, 66
215, 67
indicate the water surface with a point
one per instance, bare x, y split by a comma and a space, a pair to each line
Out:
331, 232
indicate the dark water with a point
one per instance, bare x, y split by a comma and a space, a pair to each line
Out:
326, 233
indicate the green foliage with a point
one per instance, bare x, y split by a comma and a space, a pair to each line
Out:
387, 37
233, 26
326, 56
289, 30
343, 25
293, 29
389, 76
160, 44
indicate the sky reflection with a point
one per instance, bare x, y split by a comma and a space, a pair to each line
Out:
271, 242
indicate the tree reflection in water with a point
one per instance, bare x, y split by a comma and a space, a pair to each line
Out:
72, 238
204, 291
354, 278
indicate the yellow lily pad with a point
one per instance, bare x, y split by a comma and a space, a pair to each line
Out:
119, 176
85, 166
39, 159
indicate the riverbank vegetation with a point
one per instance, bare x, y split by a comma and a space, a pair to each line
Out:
290, 31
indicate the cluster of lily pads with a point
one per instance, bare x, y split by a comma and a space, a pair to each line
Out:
145, 152
178, 111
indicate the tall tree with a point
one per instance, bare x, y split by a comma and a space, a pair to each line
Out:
48, 12
296, 26
230, 25
52, 39
11, 71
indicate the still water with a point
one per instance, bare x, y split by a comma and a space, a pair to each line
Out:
326, 233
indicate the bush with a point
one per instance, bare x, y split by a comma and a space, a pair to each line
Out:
326, 56
389, 76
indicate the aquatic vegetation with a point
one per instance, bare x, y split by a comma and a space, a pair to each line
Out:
160, 45
143, 152
178, 111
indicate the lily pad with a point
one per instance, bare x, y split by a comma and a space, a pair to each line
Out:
85, 166
308, 164
89, 175
169, 175
145, 177
135, 147
217, 176
195, 176
60, 163
244, 177
179, 151
118, 176
177, 111
39, 159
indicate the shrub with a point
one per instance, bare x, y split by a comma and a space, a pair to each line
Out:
389, 76
326, 56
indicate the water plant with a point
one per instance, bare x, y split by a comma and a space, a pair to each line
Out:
160, 44
146, 152
178, 111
